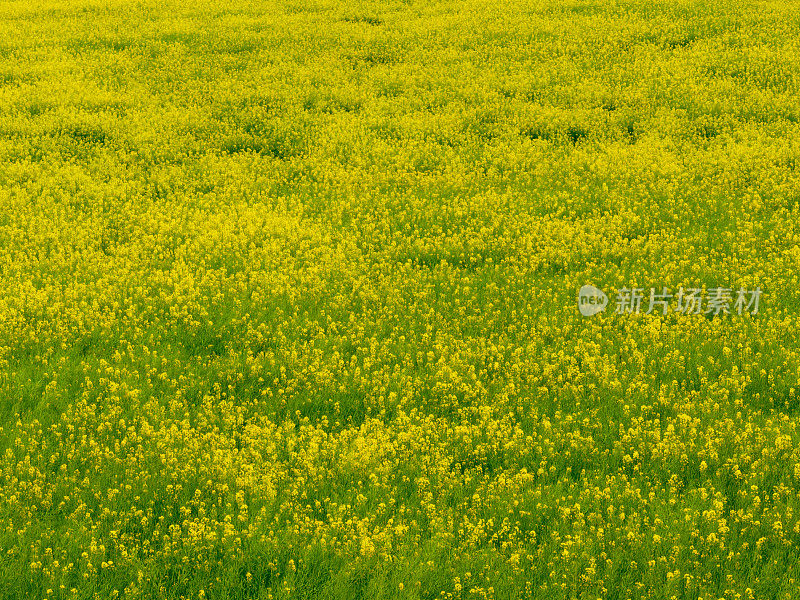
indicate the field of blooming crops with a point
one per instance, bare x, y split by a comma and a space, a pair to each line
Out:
289, 299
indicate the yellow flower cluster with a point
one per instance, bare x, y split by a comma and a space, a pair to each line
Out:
288, 300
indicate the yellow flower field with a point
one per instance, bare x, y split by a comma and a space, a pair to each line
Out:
289, 299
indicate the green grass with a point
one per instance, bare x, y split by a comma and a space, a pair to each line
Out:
288, 300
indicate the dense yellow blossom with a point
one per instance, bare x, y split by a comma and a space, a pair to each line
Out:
287, 299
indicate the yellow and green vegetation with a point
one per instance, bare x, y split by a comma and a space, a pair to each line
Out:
288, 299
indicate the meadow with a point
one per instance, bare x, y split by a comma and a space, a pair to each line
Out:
288, 299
